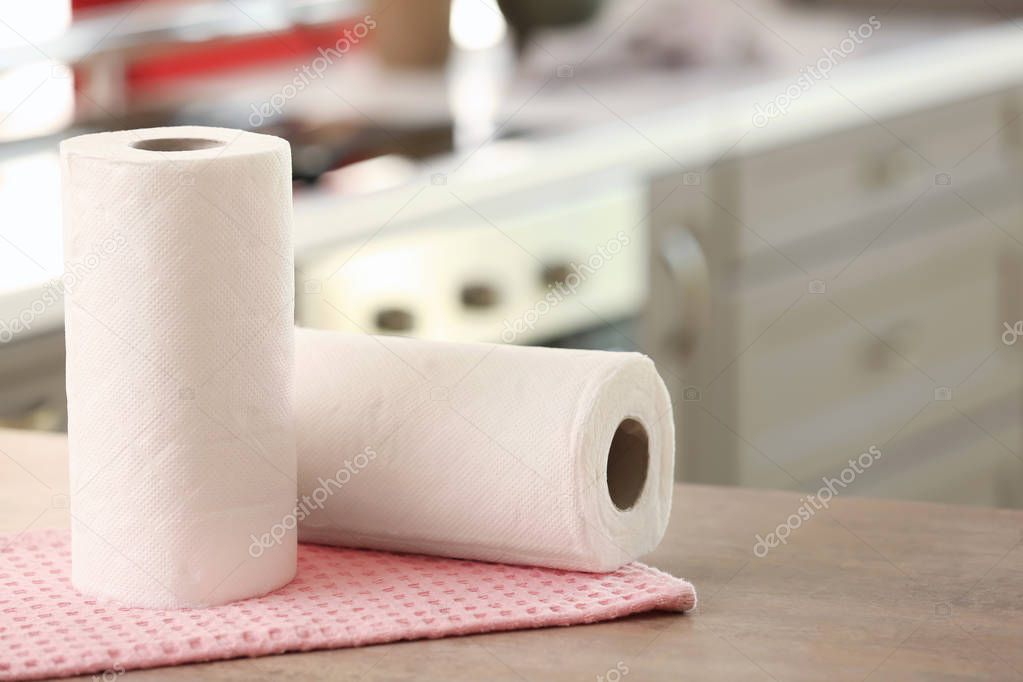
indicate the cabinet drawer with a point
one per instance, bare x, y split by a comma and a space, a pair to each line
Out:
826, 375
961, 458
790, 194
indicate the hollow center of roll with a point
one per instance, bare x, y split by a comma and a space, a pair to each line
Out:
627, 464
177, 144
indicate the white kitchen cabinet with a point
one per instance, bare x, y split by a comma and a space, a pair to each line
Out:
857, 290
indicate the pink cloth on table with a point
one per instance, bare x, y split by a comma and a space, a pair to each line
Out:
340, 598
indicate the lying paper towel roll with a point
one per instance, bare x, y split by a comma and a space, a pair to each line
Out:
180, 350
560, 458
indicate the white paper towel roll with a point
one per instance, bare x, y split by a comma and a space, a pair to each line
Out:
180, 375
560, 458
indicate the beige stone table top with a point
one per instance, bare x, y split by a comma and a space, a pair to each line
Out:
866, 589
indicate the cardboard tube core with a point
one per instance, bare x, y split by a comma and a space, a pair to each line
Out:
176, 144
627, 463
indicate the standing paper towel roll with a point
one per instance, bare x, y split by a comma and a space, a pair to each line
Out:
180, 363
560, 458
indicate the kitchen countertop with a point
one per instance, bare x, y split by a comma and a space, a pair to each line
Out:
876, 589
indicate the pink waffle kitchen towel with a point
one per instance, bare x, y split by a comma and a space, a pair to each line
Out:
340, 598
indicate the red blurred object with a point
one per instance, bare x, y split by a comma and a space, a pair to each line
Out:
82, 4
212, 58
203, 59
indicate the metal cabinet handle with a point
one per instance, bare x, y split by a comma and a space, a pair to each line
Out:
685, 261
888, 170
897, 338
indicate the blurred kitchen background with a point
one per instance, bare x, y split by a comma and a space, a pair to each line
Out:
810, 214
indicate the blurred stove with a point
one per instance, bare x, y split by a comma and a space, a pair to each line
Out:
531, 267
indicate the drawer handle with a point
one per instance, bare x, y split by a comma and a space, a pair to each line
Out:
890, 170
685, 261
893, 340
